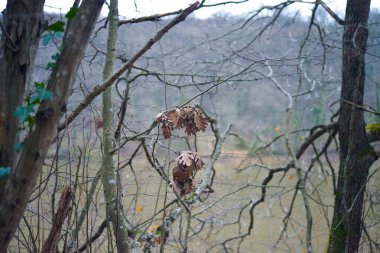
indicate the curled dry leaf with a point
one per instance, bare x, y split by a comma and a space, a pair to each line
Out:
166, 130
174, 116
200, 120
188, 163
189, 117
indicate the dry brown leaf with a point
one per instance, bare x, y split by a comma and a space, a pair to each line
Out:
190, 129
182, 119
159, 117
174, 116
181, 173
200, 120
189, 117
166, 130
198, 163
185, 158
183, 188
98, 123
184, 171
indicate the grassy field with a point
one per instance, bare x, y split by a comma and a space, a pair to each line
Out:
237, 181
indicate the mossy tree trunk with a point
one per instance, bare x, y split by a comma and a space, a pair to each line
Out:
356, 155
114, 206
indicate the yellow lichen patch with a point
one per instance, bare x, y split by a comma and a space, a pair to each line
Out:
373, 128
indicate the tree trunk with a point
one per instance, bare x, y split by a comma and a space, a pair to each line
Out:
114, 206
355, 150
23, 23
19, 184
378, 101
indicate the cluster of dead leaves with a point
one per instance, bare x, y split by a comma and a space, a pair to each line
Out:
193, 120
188, 163
190, 117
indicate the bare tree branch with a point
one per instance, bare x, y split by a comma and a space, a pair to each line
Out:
331, 12
62, 212
100, 88
155, 17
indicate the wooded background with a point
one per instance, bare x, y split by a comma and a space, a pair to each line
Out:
289, 149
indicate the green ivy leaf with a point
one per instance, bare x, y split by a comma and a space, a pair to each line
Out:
39, 85
23, 112
51, 65
19, 132
58, 26
18, 147
5, 171
43, 94
28, 100
35, 101
46, 39
72, 12
30, 121
58, 34
55, 56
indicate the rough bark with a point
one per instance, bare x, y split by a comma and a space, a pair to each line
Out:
355, 151
19, 184
112, 196
23, 23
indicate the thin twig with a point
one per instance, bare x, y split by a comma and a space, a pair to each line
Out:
127, 66
331, 12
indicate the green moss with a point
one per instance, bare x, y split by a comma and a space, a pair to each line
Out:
338, 238
364, 153
373, 128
